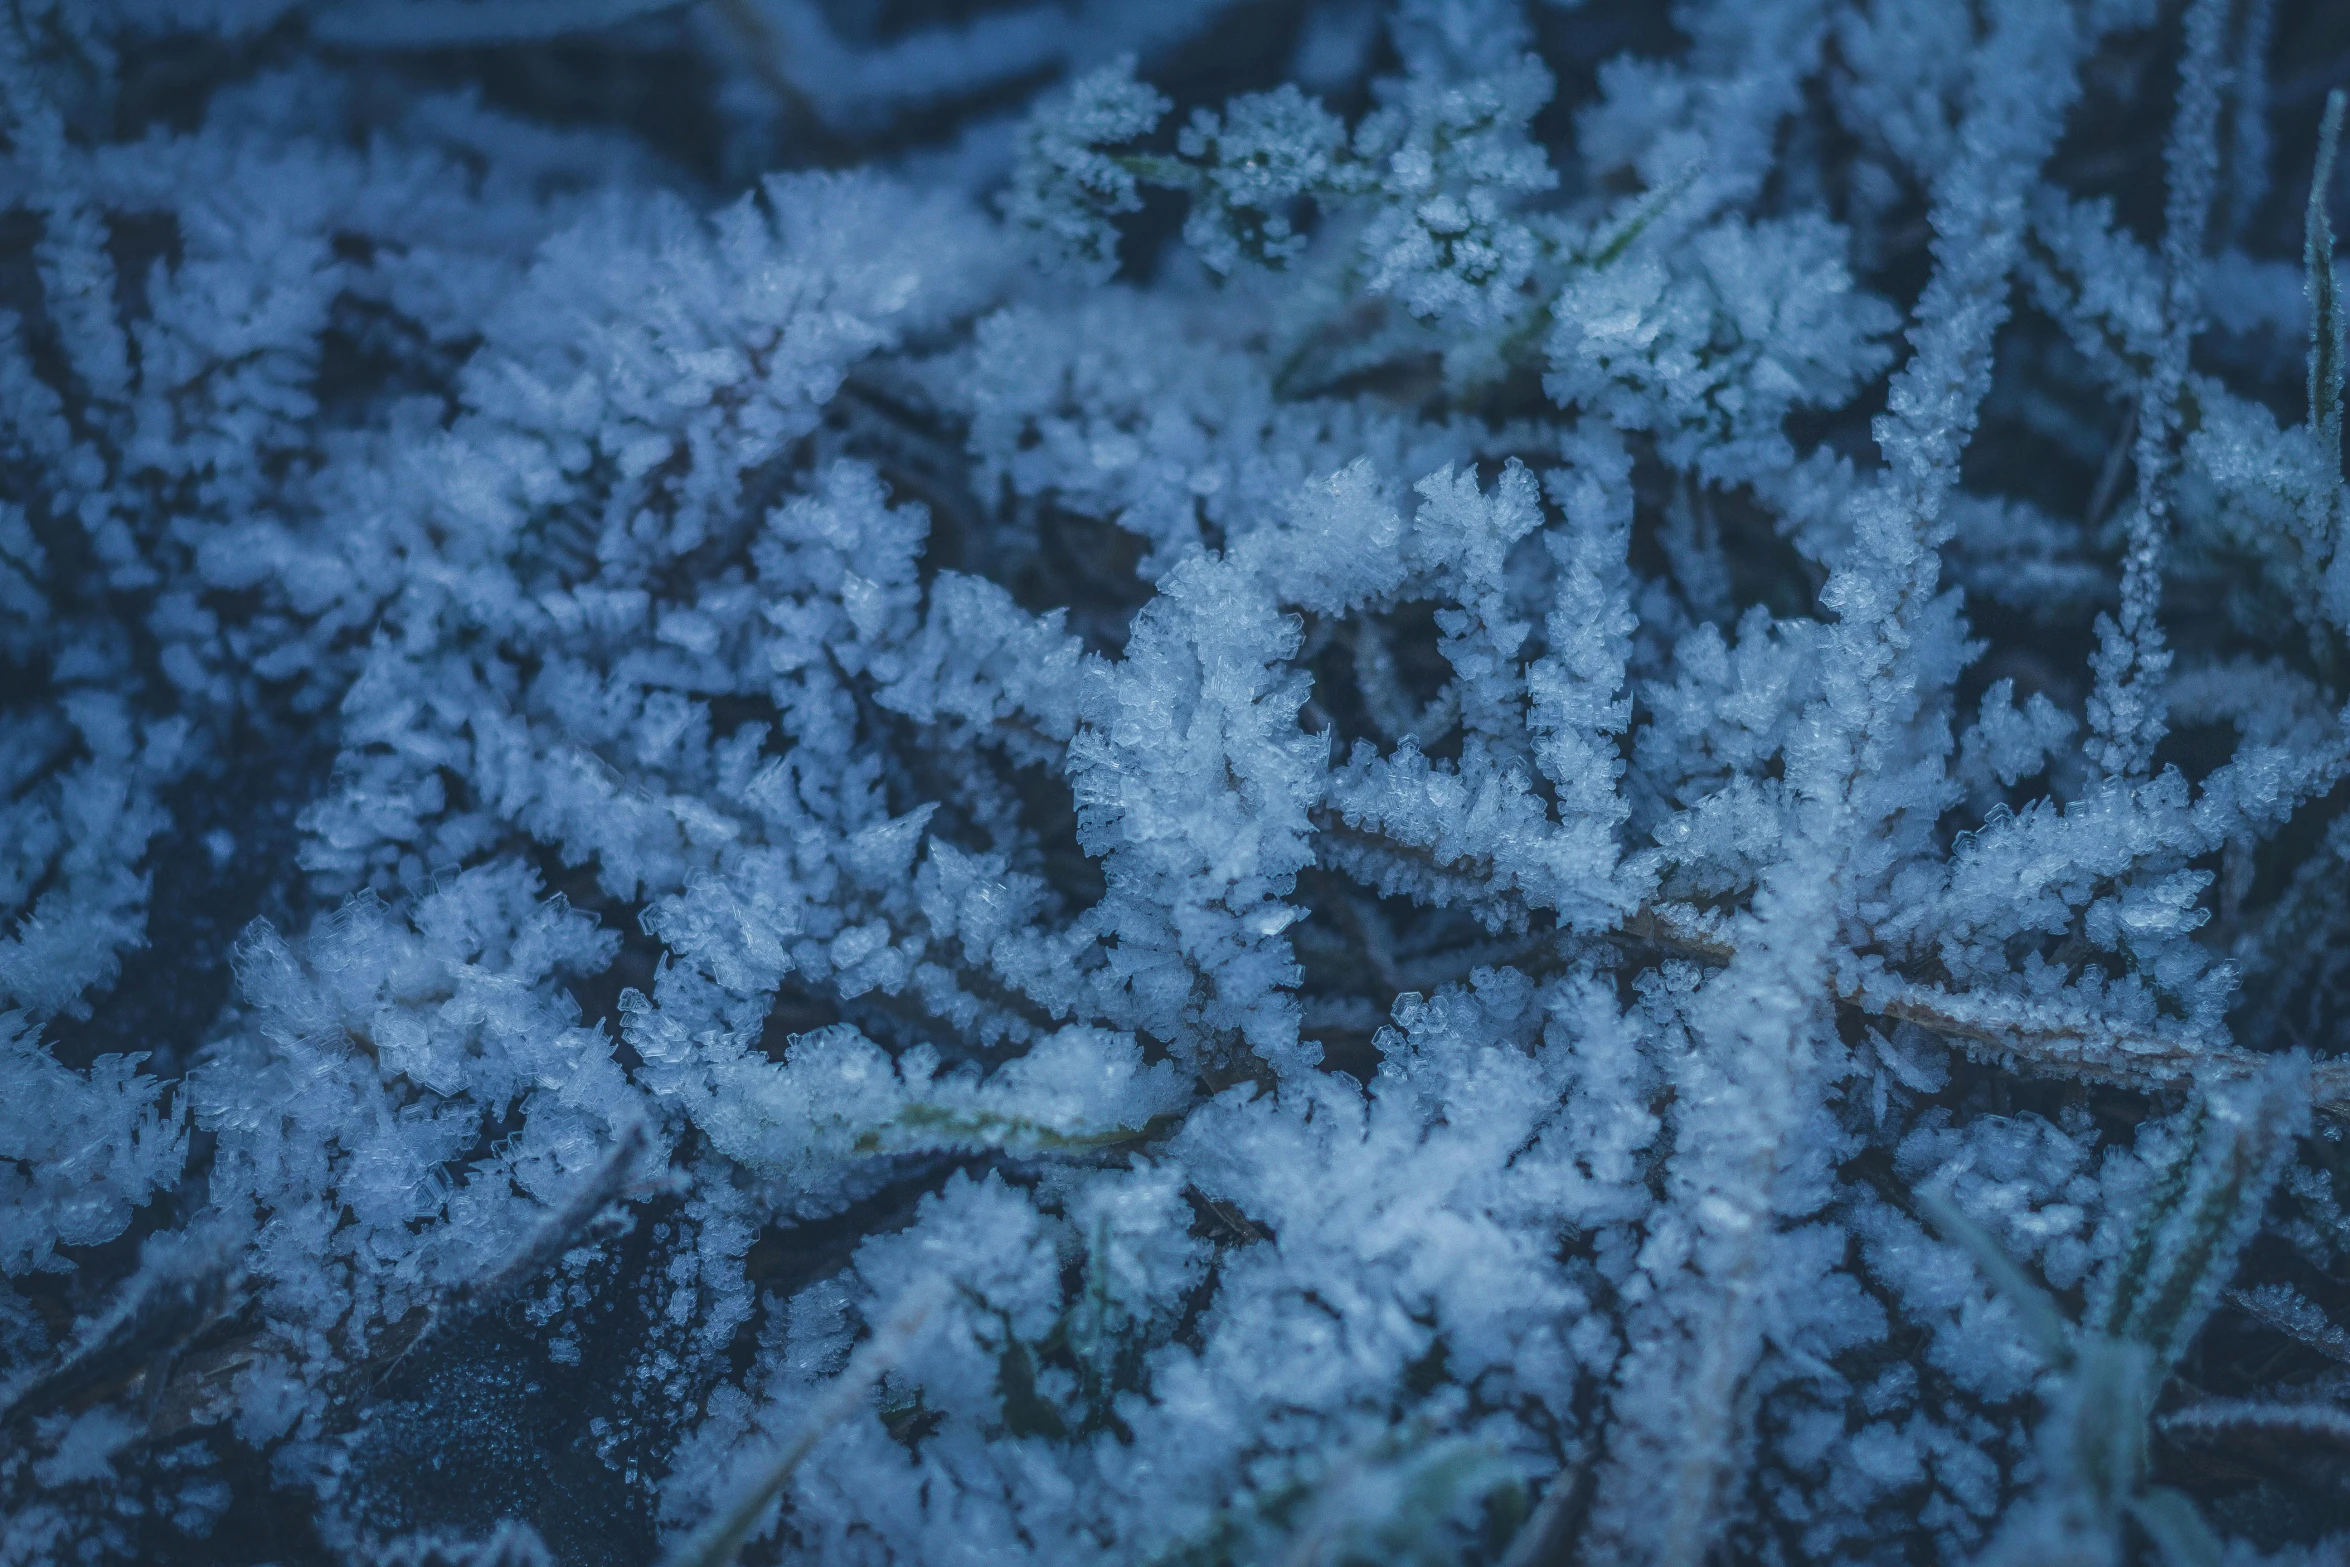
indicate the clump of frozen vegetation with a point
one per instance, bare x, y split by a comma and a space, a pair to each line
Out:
1176, 783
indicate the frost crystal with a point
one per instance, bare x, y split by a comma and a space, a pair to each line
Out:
1440, 782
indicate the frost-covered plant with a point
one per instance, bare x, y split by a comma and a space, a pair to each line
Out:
1182, 784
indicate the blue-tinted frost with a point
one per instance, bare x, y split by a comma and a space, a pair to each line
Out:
1468, 827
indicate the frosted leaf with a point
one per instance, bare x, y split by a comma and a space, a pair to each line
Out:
1711, 345
1259, 156
1072, 179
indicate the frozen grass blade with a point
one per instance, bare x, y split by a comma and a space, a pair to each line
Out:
2326, 323
2178, 1531
717, 1541
2042, 1321
2218, 1417
454, 24
561, 1231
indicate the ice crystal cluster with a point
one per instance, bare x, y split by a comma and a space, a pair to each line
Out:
1177, 783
